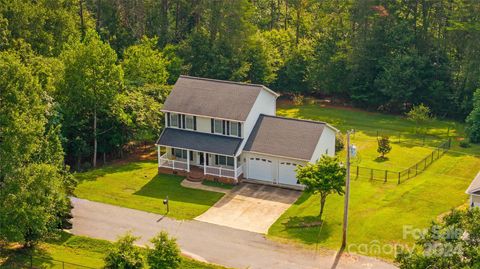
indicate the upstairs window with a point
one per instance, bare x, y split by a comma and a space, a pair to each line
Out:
218, 126
174, 120
234, 128
189, 122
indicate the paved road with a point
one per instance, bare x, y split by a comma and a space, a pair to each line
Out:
204, 241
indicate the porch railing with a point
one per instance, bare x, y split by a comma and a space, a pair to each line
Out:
224, 172
239, 170
220, 171
173, 164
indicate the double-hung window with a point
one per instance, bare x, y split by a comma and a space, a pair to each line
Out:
189, 122
174, 120
218, 126
234, 130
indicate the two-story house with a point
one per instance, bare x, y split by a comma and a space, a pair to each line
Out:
228, 131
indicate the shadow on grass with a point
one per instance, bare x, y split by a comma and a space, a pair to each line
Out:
381, 159
92, 175
296, 228
161, 186
26, 257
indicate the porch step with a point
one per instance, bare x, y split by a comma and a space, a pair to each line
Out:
195, 175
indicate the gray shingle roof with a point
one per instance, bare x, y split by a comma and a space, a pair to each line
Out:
198, 141
286, 137
212, 98
475, 185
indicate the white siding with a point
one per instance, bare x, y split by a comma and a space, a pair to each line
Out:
203, 124
326, 144
475, 199
265, 104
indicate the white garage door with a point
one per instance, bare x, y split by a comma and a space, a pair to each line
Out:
260, 169
286, 173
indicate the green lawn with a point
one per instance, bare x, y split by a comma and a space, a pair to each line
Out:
77, 251
379, 211
137, 185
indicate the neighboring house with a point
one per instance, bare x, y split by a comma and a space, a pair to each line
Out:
228, 131
474, 191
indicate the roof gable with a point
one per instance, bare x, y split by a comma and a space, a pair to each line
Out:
475, 185
285, 137
213, 98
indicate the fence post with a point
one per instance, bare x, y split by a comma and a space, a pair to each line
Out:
386, 175
371, 174
31, 261
425, 167
416, 169
432, 155
357, 171
398, 178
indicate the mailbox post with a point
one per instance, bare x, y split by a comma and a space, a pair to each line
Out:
165, 202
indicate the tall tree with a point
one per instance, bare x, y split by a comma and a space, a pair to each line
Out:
33, 181
89, 94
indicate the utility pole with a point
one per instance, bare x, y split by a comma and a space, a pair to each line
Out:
347, 194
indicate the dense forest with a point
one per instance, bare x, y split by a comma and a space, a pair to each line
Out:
81, 79
104, 67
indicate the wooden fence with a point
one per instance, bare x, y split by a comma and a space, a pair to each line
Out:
401, 176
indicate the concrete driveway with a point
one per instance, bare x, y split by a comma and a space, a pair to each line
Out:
250, 207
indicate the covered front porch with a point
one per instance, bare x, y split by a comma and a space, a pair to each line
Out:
210, 165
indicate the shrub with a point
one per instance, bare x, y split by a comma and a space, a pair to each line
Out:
464, 144
384, 146
339, 142
165, 253
298, 99
124, 254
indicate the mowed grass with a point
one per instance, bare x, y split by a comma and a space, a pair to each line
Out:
76, 251
380, 211
137, 185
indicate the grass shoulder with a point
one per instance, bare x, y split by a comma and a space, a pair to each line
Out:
75, 251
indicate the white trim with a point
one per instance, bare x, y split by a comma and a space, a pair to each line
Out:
273, 155
198, 115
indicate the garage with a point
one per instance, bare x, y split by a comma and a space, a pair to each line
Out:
260, 169
286, 173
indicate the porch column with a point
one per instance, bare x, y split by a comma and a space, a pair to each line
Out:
235, 167
188, 160
204, 163
158, 153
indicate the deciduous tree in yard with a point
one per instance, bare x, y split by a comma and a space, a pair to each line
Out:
473, 120
124, 254
324, 177
89, 94
165, 253
33, 180
420, 115
452, 243
384, 146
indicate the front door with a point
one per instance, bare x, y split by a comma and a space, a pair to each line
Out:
200, 158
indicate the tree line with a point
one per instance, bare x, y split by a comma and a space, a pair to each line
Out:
80, 79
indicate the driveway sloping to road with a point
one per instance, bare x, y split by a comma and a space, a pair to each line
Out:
250, 207
204, 241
